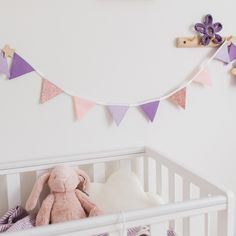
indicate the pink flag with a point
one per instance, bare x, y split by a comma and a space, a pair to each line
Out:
82, 106
118, 112
179, 98
49, 91
204, 78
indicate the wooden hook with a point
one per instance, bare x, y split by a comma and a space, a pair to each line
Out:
195, 42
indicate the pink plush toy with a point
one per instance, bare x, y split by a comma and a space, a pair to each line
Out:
67, 200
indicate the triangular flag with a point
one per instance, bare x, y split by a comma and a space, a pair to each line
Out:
118, 112
150, 109
82, 106
49, 91
179, 98
222, 54
232, 52
204, 78
4, 69
19, 67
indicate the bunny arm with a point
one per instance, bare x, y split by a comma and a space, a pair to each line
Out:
87, 204
43, 216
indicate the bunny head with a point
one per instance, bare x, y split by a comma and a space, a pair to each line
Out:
61, 179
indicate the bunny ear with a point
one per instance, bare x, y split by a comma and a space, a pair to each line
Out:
37, 189
84, 180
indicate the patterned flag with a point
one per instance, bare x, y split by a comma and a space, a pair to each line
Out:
179, 98
49, 91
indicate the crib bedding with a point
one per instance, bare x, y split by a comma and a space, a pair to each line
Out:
16, 219
122, 191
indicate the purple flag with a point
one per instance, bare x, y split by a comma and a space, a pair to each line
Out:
19, 67
118, 112
150, 109
232, 52
222, 54
4, 66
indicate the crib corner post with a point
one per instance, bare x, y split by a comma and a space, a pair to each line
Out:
226, 218
231, 212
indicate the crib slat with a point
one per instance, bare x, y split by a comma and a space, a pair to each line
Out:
158, 178
158, 229
125, 164
171, 179
99, 172
186, 196
206, 216
137, 168
111, 167
222, 221
13, 190
146, 174
3, 195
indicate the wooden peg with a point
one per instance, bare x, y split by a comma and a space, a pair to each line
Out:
8, 51
233, 71
195, 42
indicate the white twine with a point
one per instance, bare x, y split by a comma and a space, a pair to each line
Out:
202, 67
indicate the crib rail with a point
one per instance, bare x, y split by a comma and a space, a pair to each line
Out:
116, 222
74, 159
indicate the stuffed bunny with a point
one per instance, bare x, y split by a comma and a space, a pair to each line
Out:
68, 199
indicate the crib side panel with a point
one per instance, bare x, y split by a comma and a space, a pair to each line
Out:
174, 184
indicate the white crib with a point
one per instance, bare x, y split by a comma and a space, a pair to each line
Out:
194, 206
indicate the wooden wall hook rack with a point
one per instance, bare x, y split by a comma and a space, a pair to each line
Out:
194, 42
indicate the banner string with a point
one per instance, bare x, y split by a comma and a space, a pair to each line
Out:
102, 103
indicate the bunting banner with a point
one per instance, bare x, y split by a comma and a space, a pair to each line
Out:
150, 109
4, 69
82, 106
179, 98
118, 113
204, 78
49, 90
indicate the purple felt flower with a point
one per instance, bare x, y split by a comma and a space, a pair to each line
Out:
208, 30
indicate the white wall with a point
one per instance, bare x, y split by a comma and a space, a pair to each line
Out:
116, 50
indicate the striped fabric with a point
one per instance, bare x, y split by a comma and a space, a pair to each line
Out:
171, 232
25, 223
16, 219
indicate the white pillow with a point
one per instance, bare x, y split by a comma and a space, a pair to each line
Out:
121, 192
